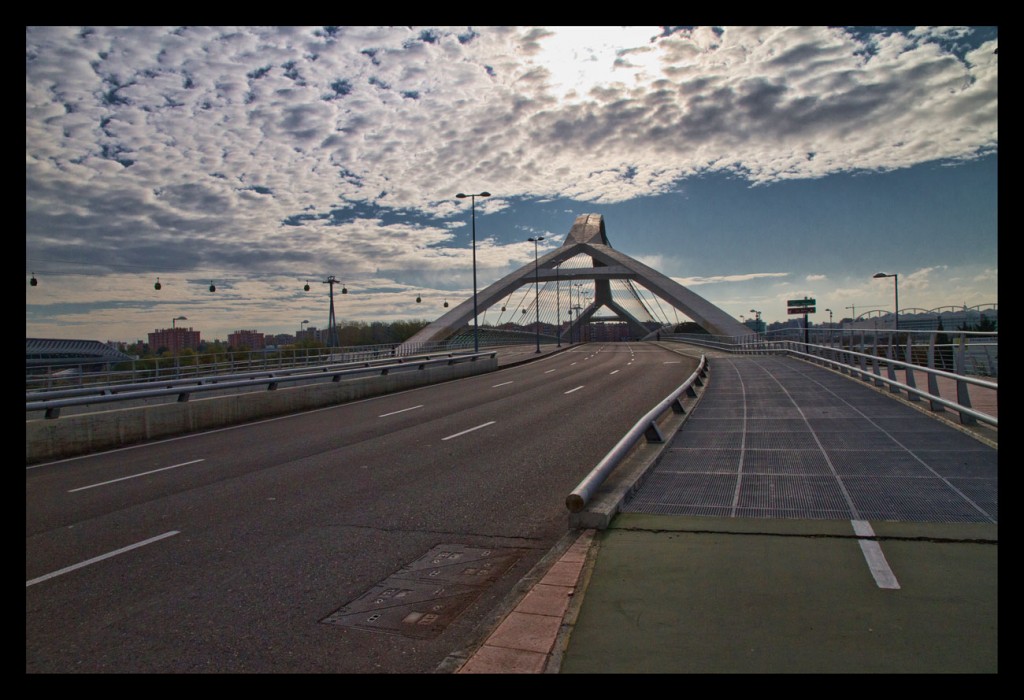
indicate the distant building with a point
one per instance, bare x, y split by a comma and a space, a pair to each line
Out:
608, 331
174, 339
311, 334
246, 339
281, 339
90, 355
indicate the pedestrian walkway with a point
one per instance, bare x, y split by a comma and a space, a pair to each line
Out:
799, 521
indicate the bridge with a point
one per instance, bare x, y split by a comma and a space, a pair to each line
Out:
596, 278
818, 505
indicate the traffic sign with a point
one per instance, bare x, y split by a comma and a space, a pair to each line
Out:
802, 302
802, 310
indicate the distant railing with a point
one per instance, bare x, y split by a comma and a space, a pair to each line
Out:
966, 357
53, 401
43, 377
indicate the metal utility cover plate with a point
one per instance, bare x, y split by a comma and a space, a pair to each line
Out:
423, 598
460, 564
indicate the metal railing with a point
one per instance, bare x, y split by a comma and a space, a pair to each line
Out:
53, 401
58, 376
967, 359
645, 427
962, 352
41, 377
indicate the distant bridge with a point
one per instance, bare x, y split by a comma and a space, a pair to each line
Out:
561, 291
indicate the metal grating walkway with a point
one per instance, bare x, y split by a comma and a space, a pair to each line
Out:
775, 437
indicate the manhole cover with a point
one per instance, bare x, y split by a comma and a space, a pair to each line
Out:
424, 597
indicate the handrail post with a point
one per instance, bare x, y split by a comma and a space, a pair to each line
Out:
891, 367
909, 371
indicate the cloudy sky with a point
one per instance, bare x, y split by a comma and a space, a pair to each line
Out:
751, 164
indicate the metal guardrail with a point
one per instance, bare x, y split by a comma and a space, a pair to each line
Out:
40, 376
856, 362
841, 359
962, 352
183, 389
198, 380
645, 427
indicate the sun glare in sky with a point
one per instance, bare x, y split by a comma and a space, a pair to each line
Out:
580, 59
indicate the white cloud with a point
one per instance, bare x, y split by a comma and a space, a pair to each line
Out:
236, 149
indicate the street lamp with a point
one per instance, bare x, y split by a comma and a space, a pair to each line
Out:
896, 290
579, 293
177, 318
460, 195
558, 305
536, 284
302, 325
757, 320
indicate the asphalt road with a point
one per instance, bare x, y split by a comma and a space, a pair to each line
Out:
378, 536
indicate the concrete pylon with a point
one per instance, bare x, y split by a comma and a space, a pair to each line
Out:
587, 236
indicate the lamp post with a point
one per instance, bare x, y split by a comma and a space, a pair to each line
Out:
472, 199
896, 290
177, 318
536, 284
558, 305
757, 320
578, 308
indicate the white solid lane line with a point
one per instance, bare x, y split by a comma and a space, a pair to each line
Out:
135, 476
100, 558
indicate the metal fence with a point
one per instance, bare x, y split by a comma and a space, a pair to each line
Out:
965, 357
182, 388
163, 369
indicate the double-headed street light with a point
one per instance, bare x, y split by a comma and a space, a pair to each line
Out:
472, 199
536, 284
896, 290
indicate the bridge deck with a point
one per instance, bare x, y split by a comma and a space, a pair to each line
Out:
774, 437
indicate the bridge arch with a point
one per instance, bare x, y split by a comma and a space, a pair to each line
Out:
586, 257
